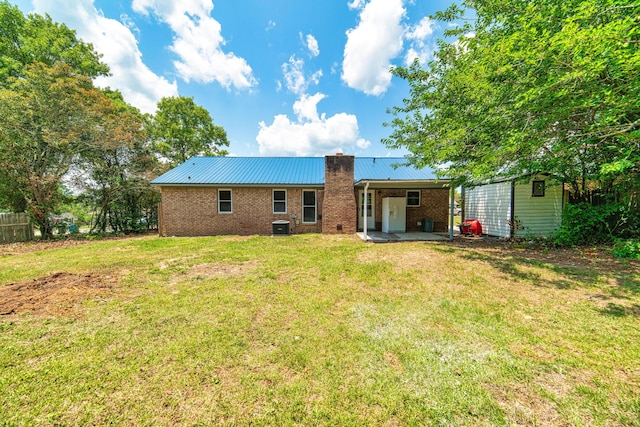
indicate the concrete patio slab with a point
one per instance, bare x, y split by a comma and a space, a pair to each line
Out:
416, 236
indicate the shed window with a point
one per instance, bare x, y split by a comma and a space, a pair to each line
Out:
537, 189
279, 201
224, 201
413, 197
309, 207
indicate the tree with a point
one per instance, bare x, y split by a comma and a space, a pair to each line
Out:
37, 39
119, 165
11, 198
530, 86
45, 122
45, 91
181, 129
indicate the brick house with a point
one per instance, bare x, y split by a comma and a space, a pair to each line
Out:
241, 195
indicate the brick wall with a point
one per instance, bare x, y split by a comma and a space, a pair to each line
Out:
193, 211
434, 204
339, 211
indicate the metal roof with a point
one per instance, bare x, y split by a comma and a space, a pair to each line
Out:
246, 171
389, 169
289, 171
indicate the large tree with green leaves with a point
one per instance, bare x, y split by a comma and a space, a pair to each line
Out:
46, 95
181, 129
117, 168
45, 118
38, 39
526, 86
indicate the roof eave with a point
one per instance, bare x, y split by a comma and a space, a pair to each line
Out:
234, 185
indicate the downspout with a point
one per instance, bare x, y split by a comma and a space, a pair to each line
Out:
364, 204
451, 204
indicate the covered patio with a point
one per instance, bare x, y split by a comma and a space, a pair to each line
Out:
401, 204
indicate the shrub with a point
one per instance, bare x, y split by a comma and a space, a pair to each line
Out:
585, 224
627, 249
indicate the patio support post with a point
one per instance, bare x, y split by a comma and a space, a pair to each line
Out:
451, 204
364, 204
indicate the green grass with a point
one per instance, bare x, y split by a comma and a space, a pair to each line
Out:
322, 330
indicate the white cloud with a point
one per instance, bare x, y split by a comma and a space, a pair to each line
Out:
312, 45
363, 143
198, 42
315, 77
356, 4
419, 37
139, 85
311, 134
421, 31
293, 72
371, 45
306, 108
294, 76
128, 22
412, 54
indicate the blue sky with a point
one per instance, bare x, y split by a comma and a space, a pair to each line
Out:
283, 77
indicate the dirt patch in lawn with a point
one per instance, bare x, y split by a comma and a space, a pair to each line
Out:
523, 406
221, 270
54, 295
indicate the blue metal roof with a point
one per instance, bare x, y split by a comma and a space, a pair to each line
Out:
389, 169
269, 171
246, 171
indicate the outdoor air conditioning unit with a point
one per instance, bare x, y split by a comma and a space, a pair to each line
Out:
280, 228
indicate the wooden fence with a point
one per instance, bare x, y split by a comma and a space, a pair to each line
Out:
15, 227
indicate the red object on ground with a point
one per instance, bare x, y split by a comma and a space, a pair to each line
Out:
471, 226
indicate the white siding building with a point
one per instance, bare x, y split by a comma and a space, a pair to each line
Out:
533, 207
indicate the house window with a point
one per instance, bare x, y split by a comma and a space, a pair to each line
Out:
537, 189
224, 201
413, 197
309, 207
279, 201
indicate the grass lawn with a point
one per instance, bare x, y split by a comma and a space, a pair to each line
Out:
316, 330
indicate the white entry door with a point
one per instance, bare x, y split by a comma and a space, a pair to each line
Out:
371, 210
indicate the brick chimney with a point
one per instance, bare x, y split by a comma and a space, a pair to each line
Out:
339, 207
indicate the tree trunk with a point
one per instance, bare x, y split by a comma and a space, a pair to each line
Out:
44, 225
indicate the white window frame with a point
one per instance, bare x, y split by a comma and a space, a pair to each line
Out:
419, 198
315, 206
273, 201
230, 201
